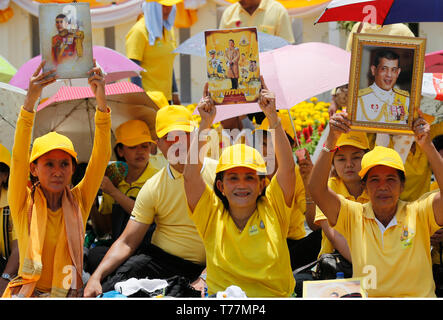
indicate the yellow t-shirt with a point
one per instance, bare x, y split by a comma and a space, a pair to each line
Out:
338, 186
434, 186
131, 190
84, 192
270, 17
418, 175
157, 59
257, 258
11, 232
297, 218
396, 262
162, 199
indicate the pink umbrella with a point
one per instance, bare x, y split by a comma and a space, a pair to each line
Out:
434, 62
71, 112
296, 73
114, 64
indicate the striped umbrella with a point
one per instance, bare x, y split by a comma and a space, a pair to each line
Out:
383, 12
71, 112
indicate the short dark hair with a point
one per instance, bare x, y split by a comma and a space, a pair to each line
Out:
387, 54
4, 168
438, 142
117, 156
61, 15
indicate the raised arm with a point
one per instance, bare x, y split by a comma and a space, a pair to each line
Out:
422, 137
326, 199
194, 183
285, 173
19, 175
101, 150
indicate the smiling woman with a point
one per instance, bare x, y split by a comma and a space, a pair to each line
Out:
244, 223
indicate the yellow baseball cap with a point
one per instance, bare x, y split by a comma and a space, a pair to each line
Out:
285, 122
51, 141
354, 138
173, 118
166, 2
5, 155
132, 133
158, 98
241, 155
381, 156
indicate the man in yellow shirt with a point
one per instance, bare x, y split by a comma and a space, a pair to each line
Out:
151, 42
389, 239
176, 247
269, 16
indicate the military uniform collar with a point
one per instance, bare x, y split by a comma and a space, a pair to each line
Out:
380, 91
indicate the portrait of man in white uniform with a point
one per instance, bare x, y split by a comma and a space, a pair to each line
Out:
383, 101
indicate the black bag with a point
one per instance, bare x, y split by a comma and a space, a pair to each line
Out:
329, 264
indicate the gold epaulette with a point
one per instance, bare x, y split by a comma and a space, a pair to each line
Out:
401, 92
365, 91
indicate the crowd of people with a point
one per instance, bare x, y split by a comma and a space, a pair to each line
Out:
208, 209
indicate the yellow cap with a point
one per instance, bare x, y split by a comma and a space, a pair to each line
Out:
381, 156
159, 98
354, 138
132, 133
285, 122
241, 155
51, 141
166, 2
5, 155
173, 118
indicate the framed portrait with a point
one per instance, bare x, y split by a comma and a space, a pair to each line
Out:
385, 82
66, 39
233, 65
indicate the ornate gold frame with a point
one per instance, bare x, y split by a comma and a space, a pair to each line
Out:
361, 40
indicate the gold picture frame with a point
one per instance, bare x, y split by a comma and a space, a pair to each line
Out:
385, 83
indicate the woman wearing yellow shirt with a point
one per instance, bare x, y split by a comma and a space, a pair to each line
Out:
244, 225
133, 146
389, 239
345, 181
51, 254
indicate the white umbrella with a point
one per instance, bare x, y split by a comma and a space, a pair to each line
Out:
11, 99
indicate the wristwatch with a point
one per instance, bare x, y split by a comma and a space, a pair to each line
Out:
6, 276
203, 276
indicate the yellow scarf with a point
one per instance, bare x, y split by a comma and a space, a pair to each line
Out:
68, 258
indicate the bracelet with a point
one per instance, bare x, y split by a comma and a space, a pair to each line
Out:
329, 150
310, 202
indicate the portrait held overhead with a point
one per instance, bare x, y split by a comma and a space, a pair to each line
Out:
221, 157
66, 39
385, 82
